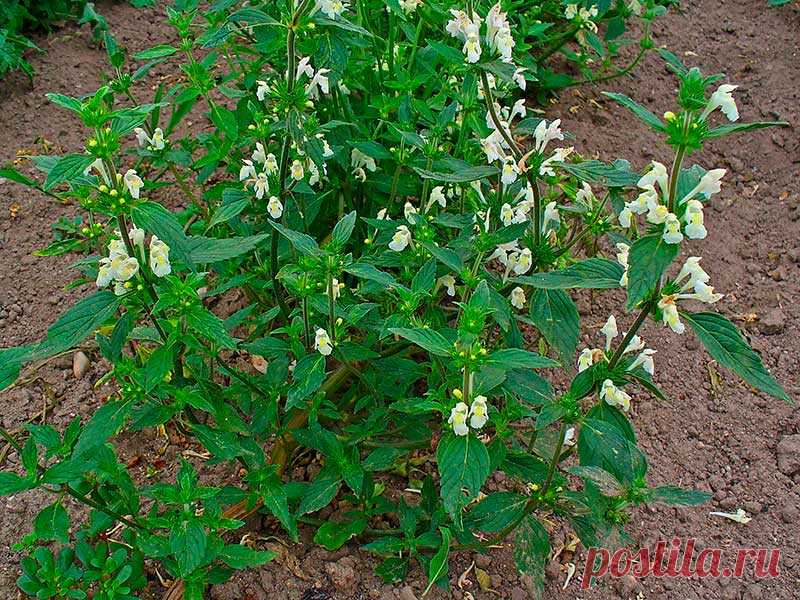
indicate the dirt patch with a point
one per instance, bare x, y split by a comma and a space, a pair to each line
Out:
713, 431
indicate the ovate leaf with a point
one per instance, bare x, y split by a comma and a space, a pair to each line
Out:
463, 463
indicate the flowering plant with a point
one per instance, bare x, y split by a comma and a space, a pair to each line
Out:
401, 231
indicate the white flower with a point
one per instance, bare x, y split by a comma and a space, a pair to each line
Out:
120, 289
518, 109
708, 185
610, 330
261, 185
615, 396
558, 156
625, 217
409, 6
123, 267
322, 342
672, 230
551, 216
297, 170
458, 419
400, 239
518, 298
117, 248
722, 98
136, 236
258, 155
133, 182
274, 207
262, 90
669, 313
331, 8
519, 78
304, 68
437, 196
478, 413
544, 134
635, 344
271, 164
644, 360
695, 229
635, 7
622, 259
318, 82
159, 258
691, 268
571, 11
585, 359
336, 287
656, 175
141, 137
472, 48
657, 213
409, 211
449, 282
704, 293
359, 160
360, 174
510, 171
506, 214
104, 273
157, 141
381, 216
523, 261
248, 170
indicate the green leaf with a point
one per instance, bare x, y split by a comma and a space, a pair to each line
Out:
342, 24
446, 256
302, 242
67, 168
601, 444
729, 128
12, 484
428, 339
78, 323
616, 174
188, 543
252, 17
462, 176
604, 480
320, 492
648, 258
63, 101
52, 523
726, 345
463, 463
228, 211
237, 556
154, 218
593, 273
640, 111
160, 51
333, 535
104, 423
677, 496
12, 174
556, 317
496, 512
209, 326
309, 373
204, 250
531, 550
439, 565
371, 273
343, 229
516, 358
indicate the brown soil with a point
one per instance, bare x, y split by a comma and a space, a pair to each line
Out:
713, 432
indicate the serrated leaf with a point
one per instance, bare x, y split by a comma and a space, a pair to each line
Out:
188, 542
333, 535
496, 512
463, 463
677, 496
729, 128
531, 551
640, 111
517, 358
556, 317
462, 176
428, 339
205, 250
438, 566
601, 444
648, 258
593, 273
67, 168
727, 346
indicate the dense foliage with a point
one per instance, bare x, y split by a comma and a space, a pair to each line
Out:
372, 181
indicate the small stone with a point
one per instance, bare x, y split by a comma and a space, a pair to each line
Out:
790, 514
794, 254
754, 591
727, 503
407, 593
753, 507
342, 573
788, 454
518, 593
553, 570
80, 364
773, 322
628, 586
484, 561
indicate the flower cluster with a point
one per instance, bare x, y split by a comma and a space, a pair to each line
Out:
654, 201
498, 33
691, 277
477, 413
155, 142
120, 267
